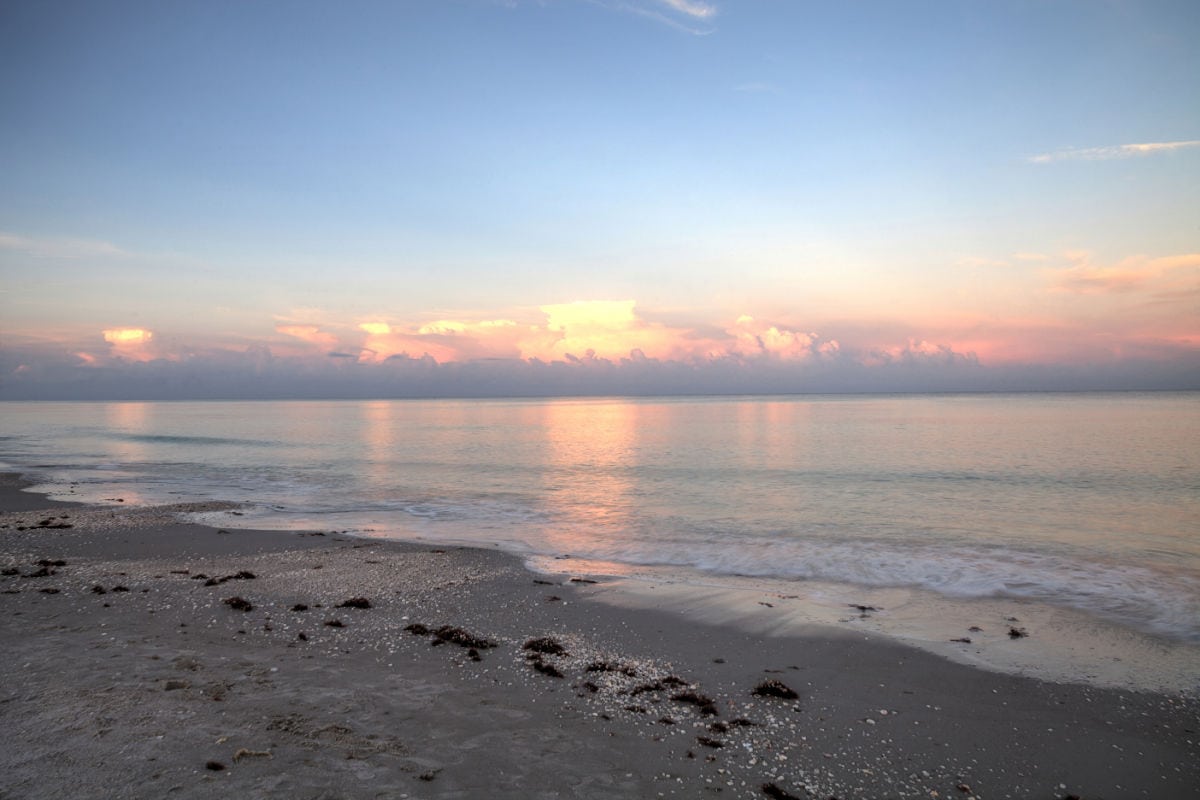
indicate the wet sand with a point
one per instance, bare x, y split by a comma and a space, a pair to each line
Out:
127, 674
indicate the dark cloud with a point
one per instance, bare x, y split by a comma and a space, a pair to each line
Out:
254, 373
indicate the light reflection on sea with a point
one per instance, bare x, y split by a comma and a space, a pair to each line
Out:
1088, 502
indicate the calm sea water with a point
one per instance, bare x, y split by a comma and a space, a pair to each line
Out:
1083, 500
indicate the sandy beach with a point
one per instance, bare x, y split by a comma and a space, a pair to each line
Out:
142, 657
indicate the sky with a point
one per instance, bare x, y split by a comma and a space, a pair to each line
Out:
529, 197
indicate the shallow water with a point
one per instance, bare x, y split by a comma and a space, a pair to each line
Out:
1088, 502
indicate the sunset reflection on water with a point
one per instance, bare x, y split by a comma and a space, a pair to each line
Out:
591, 450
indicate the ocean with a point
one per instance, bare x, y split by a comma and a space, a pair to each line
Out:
1083, 501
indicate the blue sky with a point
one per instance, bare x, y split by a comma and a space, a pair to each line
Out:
1013, 182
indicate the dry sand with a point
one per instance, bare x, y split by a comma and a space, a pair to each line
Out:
126, 674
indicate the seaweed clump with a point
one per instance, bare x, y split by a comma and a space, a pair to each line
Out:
548, 670
706, 705
546, 646
774, 688
460, 637
611, 666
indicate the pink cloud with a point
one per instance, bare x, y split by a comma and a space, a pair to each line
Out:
1127, 275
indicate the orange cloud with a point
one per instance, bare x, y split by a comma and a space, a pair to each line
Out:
375, 328
127, 336
598, 328
130, 343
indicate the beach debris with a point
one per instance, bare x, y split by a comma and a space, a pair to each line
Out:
119, 588
244, 575
742, 722
666, 721
334, 623
215, 766
706, 705
775, 688
582, 580
175, 685
975, 629
1017, 633
612, 666
355, 602
774, 792
98, 589
237, 603
199, 576
546, 646
635, 709
546, 669
57, 562
709, 742
962, 640
963, 787
428, 776
655, 686
864, 610
719, 727
302, 636
10, 571
541, 582
181, 572
473, 654
591, 687
44, 572
458, 636
417, 629
300, 607
246, 753
765, 603
553, 598
48, 590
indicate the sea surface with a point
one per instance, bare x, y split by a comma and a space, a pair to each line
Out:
1083, 501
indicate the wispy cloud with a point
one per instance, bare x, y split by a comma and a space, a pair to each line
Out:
1112, 152
692, 8
682, 15
58, 247
1131, 274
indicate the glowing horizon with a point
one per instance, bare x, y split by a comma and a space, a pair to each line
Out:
734, 192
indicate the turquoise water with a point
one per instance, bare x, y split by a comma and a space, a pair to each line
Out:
1090, 501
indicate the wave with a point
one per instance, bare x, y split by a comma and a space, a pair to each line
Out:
1140, 596
147, 438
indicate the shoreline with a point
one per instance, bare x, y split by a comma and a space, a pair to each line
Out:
136, 691
1062, 645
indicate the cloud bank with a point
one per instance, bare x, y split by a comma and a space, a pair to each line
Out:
568, 349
